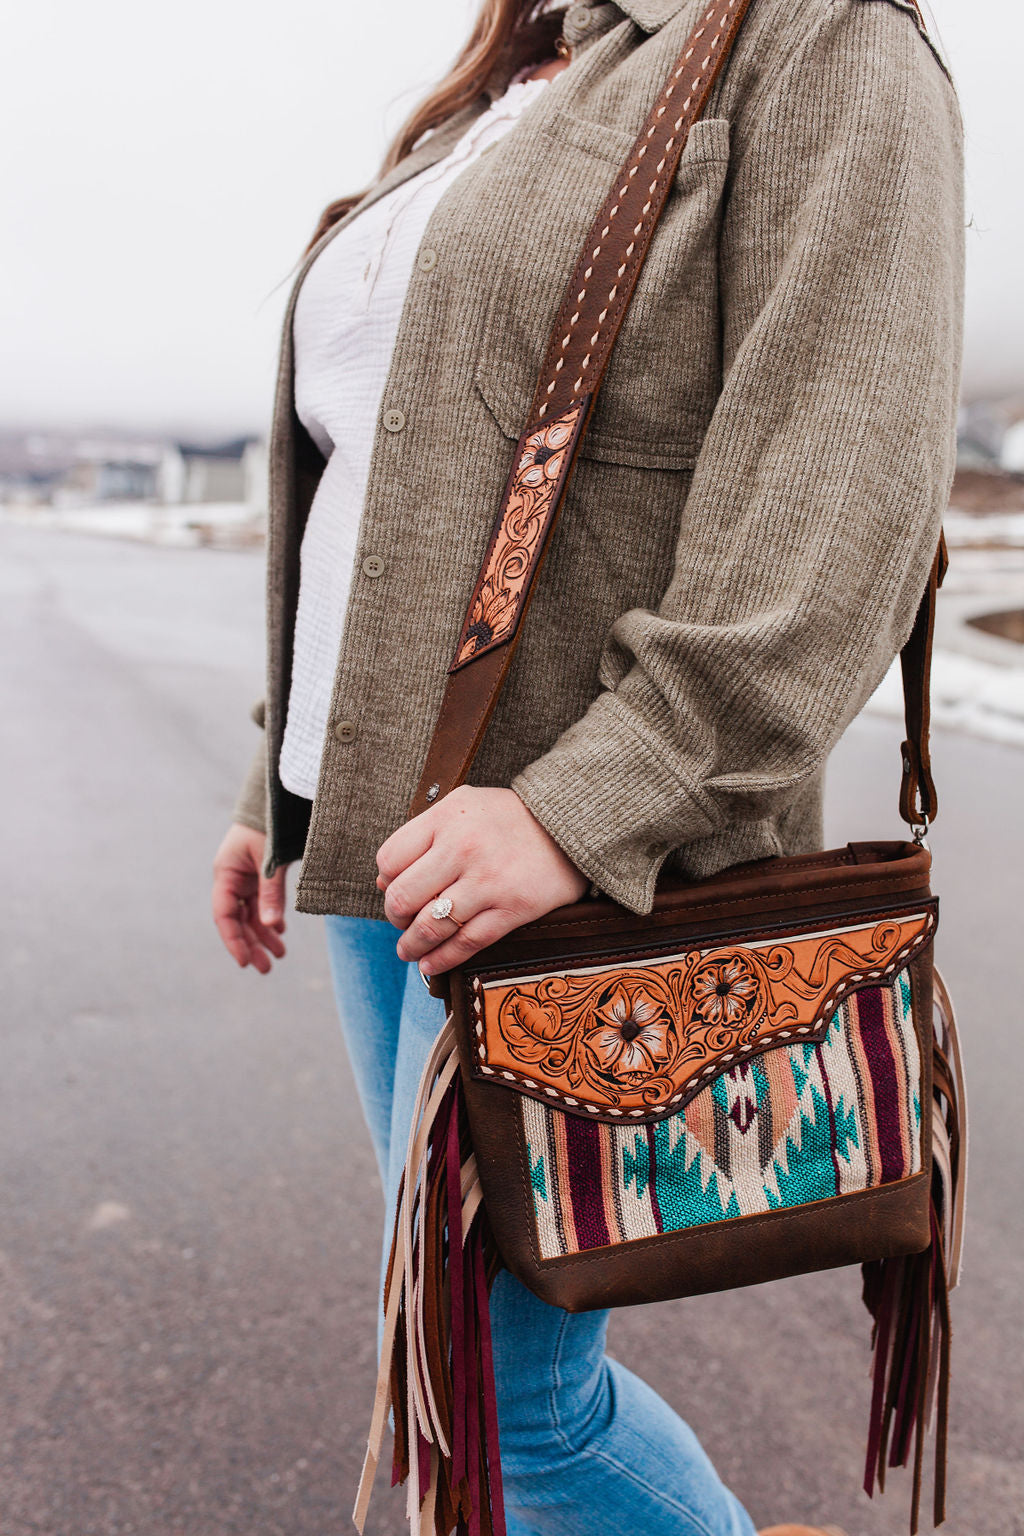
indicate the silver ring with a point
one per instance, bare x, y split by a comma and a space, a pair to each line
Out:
442, 908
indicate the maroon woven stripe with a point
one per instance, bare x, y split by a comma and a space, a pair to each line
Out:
652, 1177
583, 1145
883, 1068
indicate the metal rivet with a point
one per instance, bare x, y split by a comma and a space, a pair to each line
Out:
433, 792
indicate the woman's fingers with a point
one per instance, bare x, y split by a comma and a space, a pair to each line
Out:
420, 883
258, 956
229, 916
410, 842
271, 899
248, 909
483, 929
269, 938
426, 932
483, 849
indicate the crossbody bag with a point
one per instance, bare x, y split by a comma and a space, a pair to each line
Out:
759, 1078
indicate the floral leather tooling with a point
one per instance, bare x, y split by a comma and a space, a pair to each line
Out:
632, 1040
531, 498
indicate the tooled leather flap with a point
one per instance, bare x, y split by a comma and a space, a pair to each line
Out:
637, 1036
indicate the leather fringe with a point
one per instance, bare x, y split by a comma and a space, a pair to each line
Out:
437, 1369
908, 1297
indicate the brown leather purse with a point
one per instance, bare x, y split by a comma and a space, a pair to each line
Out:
757, 1079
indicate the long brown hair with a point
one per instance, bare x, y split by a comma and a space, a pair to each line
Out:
515, 32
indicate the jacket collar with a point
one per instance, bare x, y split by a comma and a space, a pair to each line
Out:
647, 14
650, 14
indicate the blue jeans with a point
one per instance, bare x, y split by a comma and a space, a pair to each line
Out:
586, 1446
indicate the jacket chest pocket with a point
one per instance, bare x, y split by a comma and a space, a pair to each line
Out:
664, 373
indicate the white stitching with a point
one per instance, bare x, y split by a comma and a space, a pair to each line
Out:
641, 151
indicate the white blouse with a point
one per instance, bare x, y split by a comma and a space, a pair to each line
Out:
346, 320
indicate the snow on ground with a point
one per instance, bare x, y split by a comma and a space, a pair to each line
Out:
182, 527
967, 695
977, 678
968, 530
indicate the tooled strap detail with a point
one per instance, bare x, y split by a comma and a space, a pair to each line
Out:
539, 472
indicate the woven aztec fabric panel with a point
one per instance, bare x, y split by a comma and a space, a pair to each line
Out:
797, 1124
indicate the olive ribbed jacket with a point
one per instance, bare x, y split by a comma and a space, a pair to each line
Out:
757, 503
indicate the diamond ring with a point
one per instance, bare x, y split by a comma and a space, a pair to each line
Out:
442, 907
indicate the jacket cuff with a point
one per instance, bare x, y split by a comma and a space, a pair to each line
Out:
606, 792
251, 805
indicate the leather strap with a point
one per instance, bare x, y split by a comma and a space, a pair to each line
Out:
588, 321
918, 800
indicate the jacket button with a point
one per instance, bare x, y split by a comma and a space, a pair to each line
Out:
427, 260
579, 17
345, 730
394, 421
373, 565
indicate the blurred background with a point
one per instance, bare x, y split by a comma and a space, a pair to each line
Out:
188, 1206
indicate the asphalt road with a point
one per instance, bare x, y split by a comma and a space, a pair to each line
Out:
188, 1206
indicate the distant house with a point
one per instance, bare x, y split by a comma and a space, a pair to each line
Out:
68, 471
196, 474
110, 479
972, 454
32, 466
979, 433
1011, 454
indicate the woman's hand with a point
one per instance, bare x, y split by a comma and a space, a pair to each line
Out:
484, 850
248, 909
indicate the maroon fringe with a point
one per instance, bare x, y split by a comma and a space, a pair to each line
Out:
456, 1354
908, 1298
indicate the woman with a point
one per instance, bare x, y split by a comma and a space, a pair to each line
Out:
740, 557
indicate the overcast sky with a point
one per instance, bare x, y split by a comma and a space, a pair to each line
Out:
161, 167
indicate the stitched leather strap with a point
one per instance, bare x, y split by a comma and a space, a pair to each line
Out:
588, 321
